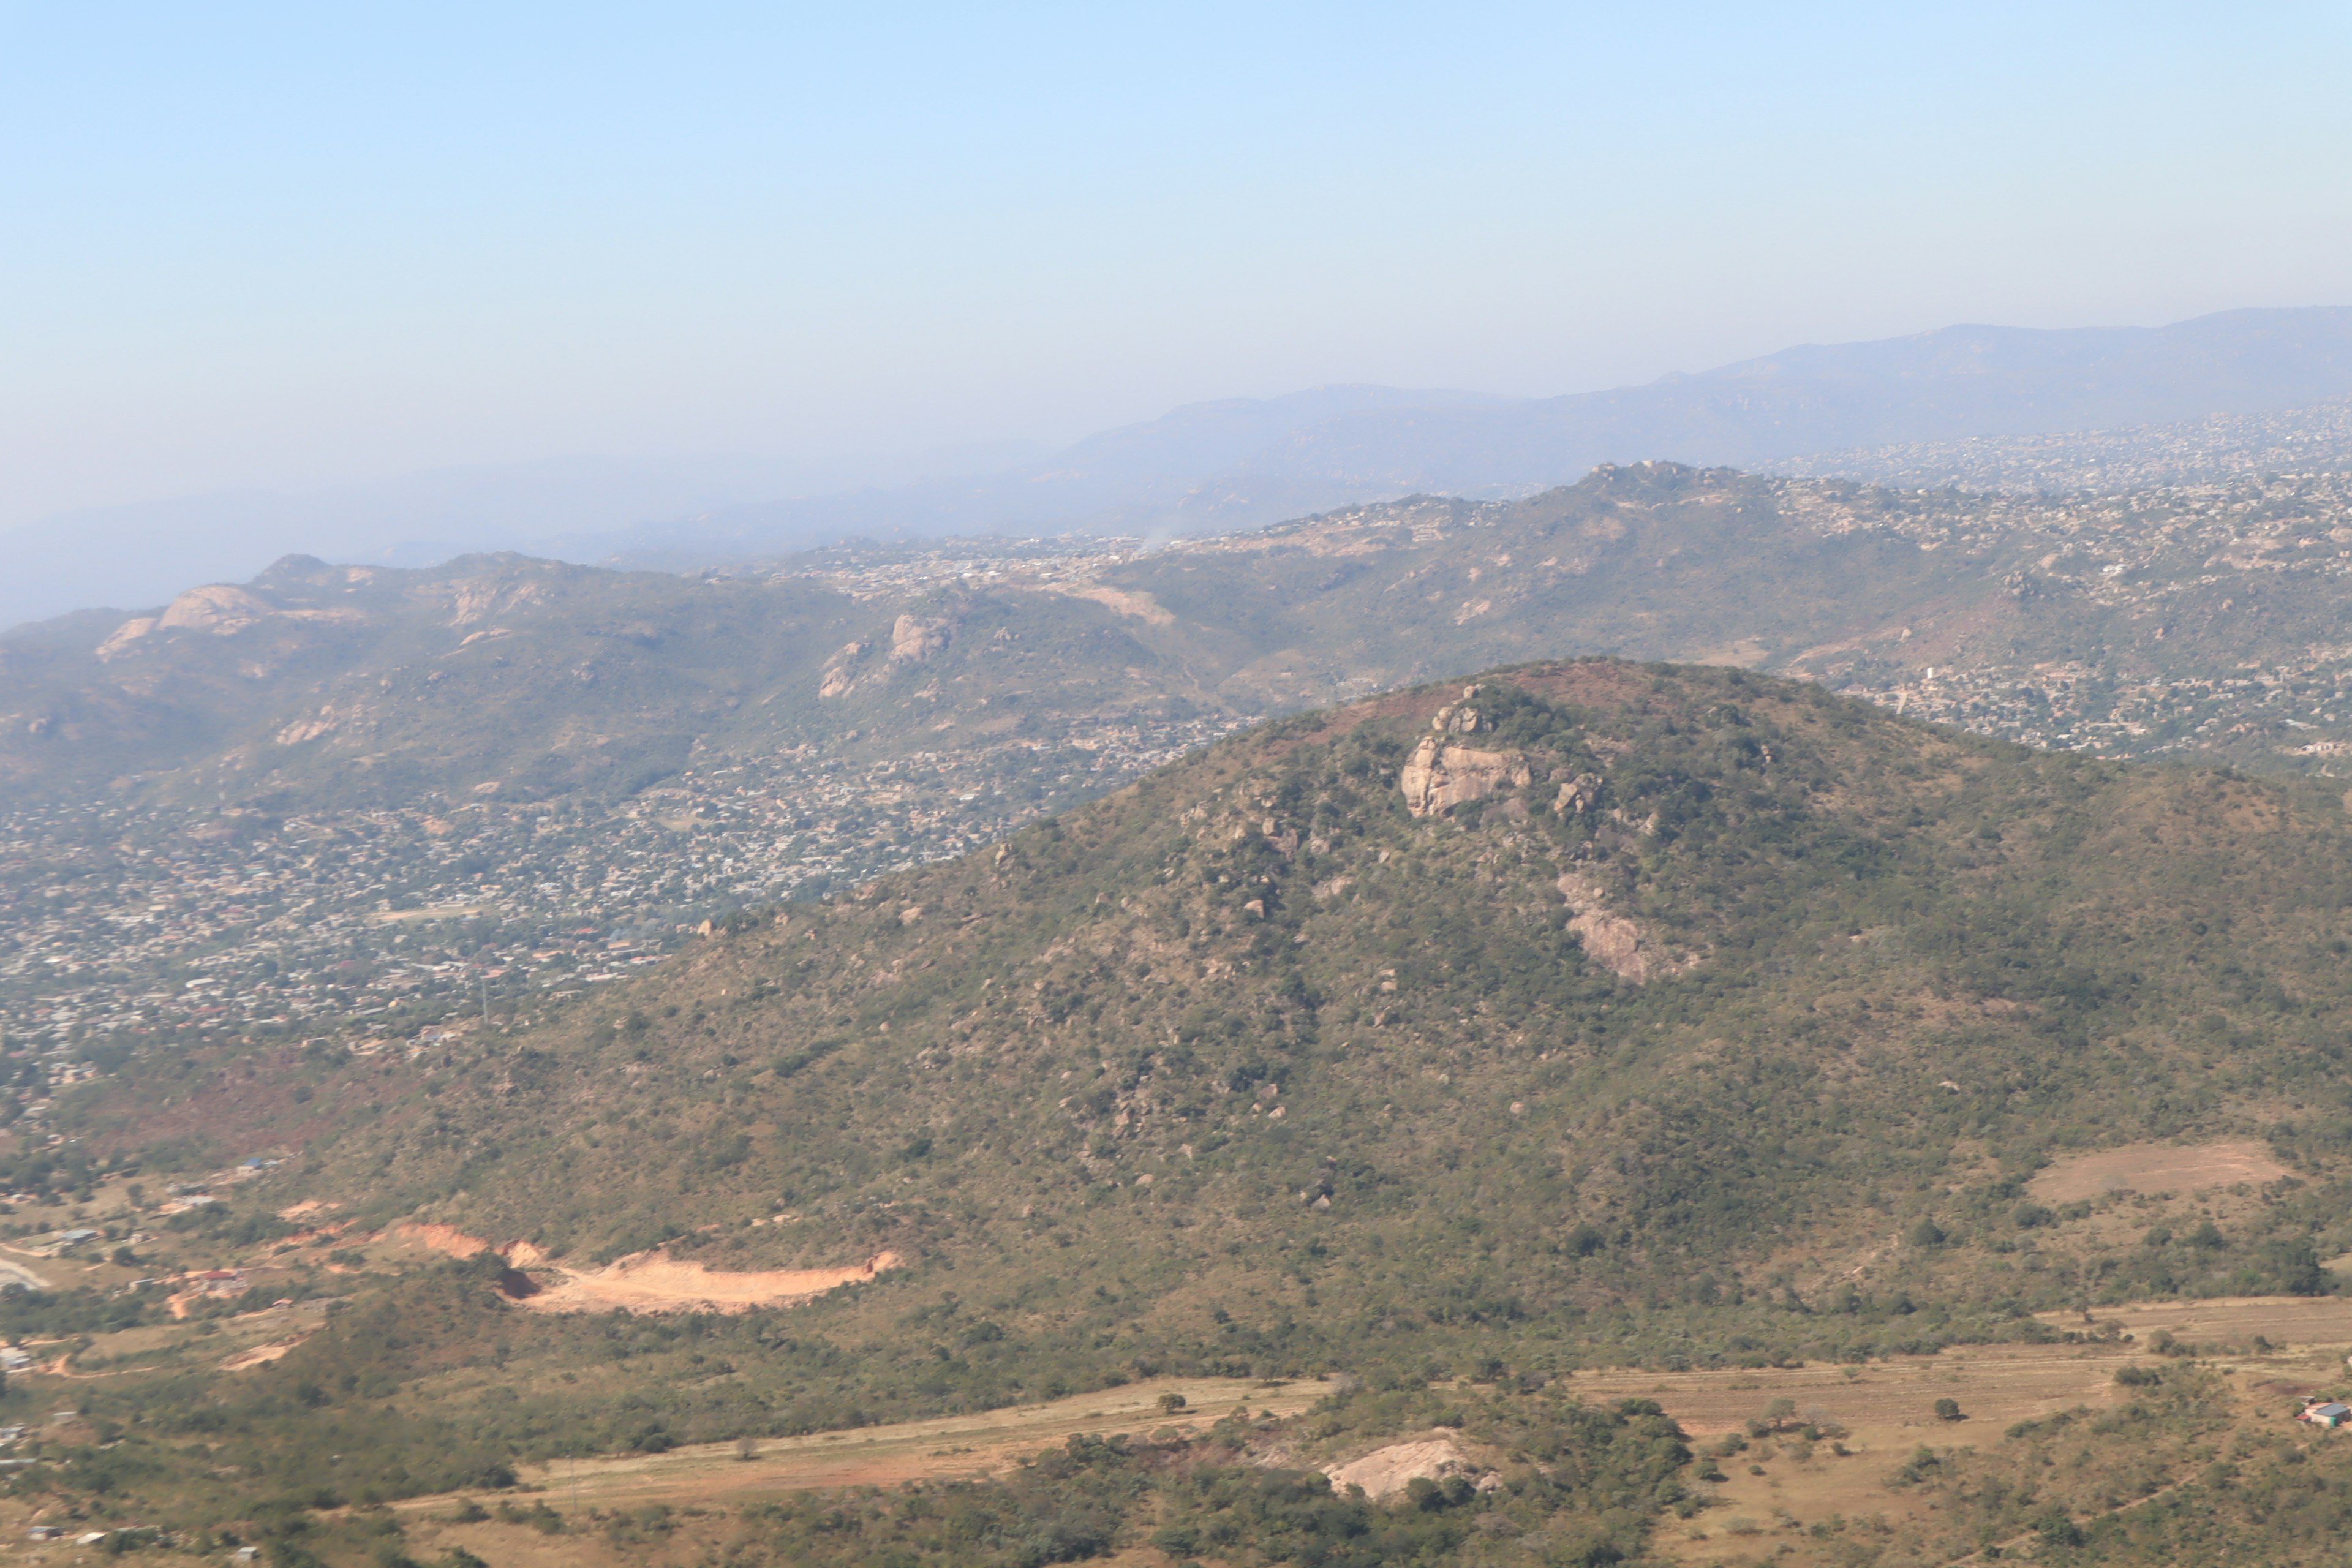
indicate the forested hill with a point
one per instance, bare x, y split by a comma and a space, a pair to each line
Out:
1588, 985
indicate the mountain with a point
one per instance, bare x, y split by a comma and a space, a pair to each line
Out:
1583, 1014
1231, 465
318, 685
2120, 624
1215, 467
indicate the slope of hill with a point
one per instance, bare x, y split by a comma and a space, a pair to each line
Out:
1757, 967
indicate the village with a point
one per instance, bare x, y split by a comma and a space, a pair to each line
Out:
125, 923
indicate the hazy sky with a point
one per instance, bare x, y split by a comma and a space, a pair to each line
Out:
286, 246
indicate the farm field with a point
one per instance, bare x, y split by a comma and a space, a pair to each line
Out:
955, 1445
1888, 1411
1885, 1411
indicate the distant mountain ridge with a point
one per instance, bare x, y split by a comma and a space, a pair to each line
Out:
2125, 626
1237, 463
1260, 462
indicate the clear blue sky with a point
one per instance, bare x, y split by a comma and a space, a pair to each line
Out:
277, 246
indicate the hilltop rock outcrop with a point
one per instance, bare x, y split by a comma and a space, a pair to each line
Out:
219, 608
1441, 777
914, 639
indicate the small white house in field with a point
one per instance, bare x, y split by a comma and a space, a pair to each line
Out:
2330, 1414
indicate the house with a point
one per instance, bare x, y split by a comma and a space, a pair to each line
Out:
2330, 1414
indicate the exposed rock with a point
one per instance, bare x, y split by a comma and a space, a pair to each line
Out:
1578, 796
303, 729
1384, 1472
1441, 777
129, 632
217, 608
1457, 719
914, 639
1131, 603
840, 672
1613, 940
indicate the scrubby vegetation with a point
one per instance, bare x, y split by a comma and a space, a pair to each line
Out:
1725, 1024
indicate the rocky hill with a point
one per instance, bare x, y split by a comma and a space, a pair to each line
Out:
1581, 1014
318, 686
1709, 969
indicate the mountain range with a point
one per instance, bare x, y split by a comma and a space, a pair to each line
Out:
2125, 624
1215, 466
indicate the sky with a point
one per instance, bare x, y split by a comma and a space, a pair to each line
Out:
285, 245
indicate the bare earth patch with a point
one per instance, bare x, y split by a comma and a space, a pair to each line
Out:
260, 1355
653, 1282
447, 1239
2156, 1168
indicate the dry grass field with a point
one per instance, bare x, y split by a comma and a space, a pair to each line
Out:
1885, 1409
2155, 1168
1874, 1417
1888, 1411
955, 1445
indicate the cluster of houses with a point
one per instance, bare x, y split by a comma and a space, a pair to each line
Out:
324, 921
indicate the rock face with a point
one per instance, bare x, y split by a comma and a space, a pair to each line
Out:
914, 639
1613, 940
1577, 795
840, 672
129, 632
1384, 1472
219, 608
1441, 777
